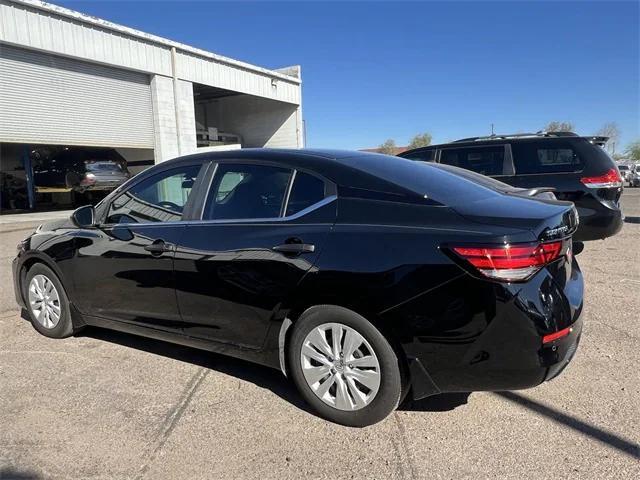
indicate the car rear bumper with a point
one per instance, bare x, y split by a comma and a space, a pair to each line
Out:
501, 346
597, 220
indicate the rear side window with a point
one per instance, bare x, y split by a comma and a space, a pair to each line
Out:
483, 160
307, 190
247, 192
546, 157
424, 155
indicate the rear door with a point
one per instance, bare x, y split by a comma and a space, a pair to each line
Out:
262, 229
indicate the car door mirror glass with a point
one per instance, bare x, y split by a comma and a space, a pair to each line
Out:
83, 217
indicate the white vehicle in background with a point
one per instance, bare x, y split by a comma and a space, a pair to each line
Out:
624, 171
633, 177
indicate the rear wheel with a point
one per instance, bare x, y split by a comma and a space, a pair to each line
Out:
344, 367
47, 303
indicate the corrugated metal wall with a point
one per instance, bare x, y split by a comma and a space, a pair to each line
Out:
78, 36
55, 100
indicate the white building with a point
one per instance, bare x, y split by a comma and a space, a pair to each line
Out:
71, 79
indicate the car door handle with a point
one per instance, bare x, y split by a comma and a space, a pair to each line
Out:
294, 248
158, 247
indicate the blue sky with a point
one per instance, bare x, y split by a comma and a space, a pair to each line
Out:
373, 71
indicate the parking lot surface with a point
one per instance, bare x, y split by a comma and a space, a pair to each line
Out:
110, 405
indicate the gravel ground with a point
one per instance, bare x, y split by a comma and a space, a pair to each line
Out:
109, 405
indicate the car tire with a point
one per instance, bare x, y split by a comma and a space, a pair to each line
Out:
43, 289
331, 383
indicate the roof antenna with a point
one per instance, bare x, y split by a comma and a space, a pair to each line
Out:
492, 133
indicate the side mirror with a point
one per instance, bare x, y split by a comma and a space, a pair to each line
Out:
83, 217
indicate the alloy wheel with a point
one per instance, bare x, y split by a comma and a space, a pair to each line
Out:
340, 366
44, 301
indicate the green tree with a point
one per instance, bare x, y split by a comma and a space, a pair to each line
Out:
612, 131
633, 151
420, 140
559, 127
388, 147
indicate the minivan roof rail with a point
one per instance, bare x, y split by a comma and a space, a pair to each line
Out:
541, 133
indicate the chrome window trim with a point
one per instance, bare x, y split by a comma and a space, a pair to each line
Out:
301, 213
259, 221
287, 194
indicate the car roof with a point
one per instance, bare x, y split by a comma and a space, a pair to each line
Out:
512, 138
343, 167
362, 171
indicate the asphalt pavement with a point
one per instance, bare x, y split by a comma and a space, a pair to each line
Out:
106, 405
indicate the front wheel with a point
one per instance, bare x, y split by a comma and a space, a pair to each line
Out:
344, 367
47, 303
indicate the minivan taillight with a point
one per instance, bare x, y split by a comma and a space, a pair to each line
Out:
611, 179
510, 263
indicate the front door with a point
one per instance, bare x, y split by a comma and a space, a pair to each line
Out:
263, 229
125, 266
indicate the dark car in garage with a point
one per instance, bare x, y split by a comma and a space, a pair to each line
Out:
78, 168
576, 168
363, 277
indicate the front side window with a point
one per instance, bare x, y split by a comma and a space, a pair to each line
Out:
159, 198
247, 192
483, 160
546, 157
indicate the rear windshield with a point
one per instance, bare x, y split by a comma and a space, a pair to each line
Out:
443, 183
103, 166
623, 167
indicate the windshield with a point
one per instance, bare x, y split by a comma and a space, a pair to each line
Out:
623, 167
104, 167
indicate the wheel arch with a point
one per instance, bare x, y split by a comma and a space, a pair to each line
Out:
33, 258
299, 311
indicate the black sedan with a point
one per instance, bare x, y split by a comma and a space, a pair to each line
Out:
363, 277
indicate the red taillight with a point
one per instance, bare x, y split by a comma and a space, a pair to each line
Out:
611, 179
555, 336
510, 262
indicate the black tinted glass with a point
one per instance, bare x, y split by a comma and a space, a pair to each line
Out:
483, 160
160, 198
546, 157
306, 191
247, 191
424, 156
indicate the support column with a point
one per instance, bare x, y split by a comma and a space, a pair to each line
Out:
173, 136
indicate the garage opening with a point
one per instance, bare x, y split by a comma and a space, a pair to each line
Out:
50, 177
227, 119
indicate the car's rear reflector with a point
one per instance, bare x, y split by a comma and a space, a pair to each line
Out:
511, 263
555, 336
611, 179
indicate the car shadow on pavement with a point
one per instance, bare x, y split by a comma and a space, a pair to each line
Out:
443, 402
11, 473
259, 375
632, 219
608, 438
